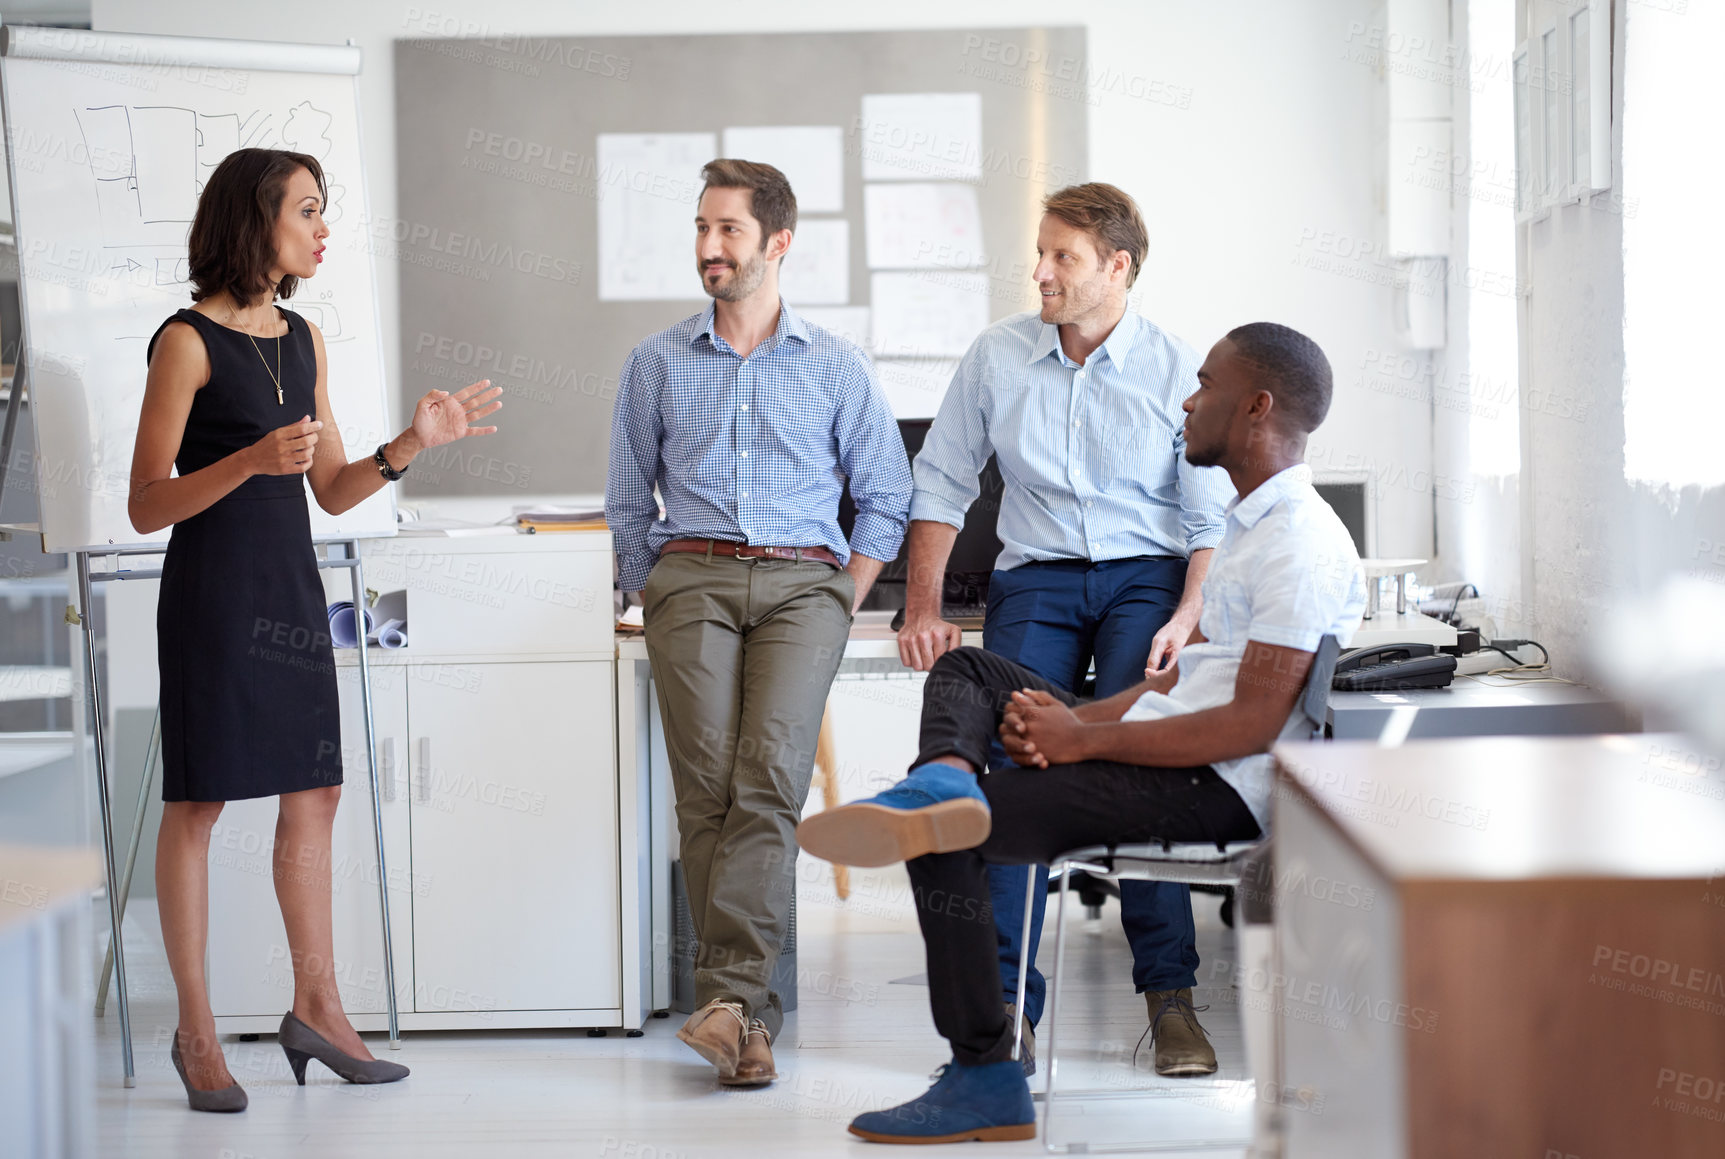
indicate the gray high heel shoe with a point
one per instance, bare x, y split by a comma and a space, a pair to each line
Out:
301, 1044
230, 1098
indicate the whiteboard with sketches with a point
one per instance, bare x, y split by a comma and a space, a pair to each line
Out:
112, 137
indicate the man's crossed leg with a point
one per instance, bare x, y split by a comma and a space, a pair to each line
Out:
947, 826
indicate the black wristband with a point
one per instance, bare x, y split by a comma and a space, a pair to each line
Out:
383, 467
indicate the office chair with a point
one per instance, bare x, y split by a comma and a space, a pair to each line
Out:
1199, 863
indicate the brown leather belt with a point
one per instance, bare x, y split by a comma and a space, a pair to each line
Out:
725, 548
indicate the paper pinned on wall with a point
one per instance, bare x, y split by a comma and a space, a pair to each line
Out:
914, 388
648, 189
846, 321
817, 270
923, 226
921, 136
926, 315
812, 158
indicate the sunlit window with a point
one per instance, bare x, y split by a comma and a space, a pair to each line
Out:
1673, 246
1494, 427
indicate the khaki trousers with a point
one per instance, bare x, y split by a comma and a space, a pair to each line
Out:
743, 654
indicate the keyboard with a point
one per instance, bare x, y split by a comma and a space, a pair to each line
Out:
964, 615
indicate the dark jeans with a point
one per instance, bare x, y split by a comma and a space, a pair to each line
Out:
1038, 814
1056, 618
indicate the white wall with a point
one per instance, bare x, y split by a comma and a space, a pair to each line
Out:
1250, 133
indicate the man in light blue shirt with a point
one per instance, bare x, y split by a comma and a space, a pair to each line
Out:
747, 420
1106, 533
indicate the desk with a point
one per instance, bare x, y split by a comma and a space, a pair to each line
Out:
871, 646
1473, 708
1501, 946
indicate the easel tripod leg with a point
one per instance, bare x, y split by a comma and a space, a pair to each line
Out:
357, 573
116, 943
145, 783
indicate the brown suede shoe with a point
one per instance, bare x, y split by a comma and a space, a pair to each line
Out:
755, 1063
1182, 1047
715, 1032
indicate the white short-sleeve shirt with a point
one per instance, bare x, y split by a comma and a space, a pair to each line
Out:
1287, 574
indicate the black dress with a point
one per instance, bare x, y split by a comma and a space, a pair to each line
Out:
248, 692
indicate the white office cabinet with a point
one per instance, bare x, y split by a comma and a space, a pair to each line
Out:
496, 751
250, 962
500, 596
515, 824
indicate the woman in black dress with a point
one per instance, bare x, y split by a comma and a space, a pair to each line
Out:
236, 399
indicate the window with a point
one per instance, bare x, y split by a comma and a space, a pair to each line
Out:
1673, 245
1580, 119
1498, 130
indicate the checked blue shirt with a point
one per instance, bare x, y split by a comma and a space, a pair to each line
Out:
752, 449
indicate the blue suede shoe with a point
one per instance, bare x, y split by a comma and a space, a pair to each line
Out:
988, 1104
936, 809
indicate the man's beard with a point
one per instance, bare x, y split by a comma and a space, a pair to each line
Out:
1203, 456
1200, 455
746, 279
1075, 303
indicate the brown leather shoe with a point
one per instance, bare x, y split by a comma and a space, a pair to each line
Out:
715, 1032
755, 1063
1182, 1047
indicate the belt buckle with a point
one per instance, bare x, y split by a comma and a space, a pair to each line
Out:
737, 549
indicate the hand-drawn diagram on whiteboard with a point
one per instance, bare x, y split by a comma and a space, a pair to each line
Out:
150, 163
649, 186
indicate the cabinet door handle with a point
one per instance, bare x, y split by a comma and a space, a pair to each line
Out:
386, 767
423, 795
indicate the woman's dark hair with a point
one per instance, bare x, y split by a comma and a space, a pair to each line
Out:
232, 243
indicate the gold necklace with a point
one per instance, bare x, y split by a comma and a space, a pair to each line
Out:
276, 374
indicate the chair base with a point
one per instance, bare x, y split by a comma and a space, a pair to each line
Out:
1246, 1134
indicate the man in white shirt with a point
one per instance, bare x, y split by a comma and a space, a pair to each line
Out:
1183, 756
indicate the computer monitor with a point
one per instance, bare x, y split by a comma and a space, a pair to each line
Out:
973, 552
1350, 497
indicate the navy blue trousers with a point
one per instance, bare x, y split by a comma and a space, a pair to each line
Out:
1055, 619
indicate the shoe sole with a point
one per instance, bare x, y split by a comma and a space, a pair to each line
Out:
1181, 1070
760, 1081
1013, 1134
711, 1054
866, 835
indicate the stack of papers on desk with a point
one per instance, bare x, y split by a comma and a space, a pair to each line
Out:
558, 520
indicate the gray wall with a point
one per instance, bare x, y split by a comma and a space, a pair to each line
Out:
556, 437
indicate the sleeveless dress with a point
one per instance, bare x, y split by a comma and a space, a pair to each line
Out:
248, 692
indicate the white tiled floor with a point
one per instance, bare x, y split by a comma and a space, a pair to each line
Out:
859, 1041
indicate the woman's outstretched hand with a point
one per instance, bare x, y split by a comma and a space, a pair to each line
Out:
441, 417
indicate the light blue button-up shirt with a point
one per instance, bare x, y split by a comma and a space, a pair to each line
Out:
1093, 456
752, 449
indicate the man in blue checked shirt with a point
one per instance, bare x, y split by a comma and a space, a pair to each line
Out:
1106, 531
748, 420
